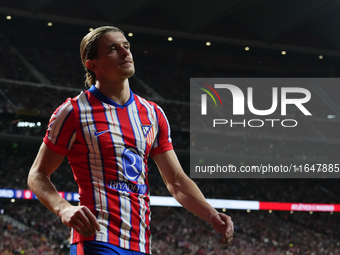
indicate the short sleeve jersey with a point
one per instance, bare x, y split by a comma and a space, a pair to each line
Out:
107, 146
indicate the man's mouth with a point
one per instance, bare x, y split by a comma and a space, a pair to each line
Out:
126, 62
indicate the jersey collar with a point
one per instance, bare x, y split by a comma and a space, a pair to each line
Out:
100, 96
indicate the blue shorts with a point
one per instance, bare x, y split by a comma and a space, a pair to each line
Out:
100, 248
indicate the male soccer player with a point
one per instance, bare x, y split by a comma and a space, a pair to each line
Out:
107, 133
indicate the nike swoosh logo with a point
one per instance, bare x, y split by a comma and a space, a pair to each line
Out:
100, 133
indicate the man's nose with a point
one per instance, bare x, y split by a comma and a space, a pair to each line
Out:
125, 52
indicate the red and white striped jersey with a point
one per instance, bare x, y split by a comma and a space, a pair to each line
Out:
107, 146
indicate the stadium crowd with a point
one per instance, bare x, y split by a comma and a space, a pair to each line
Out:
175, 231
281, 190
256, 232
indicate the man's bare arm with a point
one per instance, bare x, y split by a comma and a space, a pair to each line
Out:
186, 192
78, 217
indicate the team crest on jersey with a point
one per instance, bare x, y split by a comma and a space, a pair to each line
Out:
148, 133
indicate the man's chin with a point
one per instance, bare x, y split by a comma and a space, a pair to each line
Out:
128, 74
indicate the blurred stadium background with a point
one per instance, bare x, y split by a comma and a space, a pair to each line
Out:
172, 41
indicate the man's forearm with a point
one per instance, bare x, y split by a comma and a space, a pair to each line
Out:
45, 191
186, 192
80, 218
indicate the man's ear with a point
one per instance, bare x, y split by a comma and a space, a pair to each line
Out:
91, 64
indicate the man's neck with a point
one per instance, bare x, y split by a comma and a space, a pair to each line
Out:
118, 92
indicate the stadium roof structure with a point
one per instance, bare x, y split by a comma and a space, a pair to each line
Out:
309, 26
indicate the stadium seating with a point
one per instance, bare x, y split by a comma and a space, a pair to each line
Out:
37, 76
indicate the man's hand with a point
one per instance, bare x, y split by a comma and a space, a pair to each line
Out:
222, 224
81, 219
